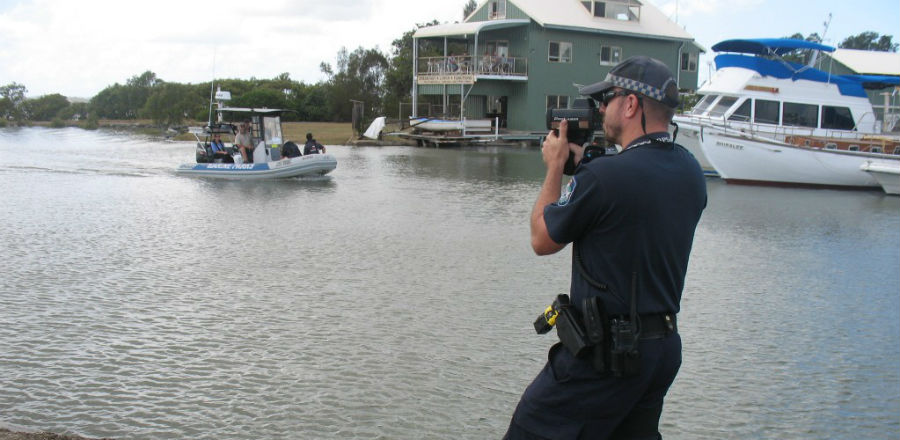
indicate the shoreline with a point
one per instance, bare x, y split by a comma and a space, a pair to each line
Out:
6, 434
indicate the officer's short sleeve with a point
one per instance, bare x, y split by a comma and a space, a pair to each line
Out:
574, 213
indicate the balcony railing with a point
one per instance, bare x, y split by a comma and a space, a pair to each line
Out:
468, 65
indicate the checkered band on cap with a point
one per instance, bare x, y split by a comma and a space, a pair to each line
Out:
637, 86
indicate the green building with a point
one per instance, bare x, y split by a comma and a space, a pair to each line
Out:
866, 62
514, 59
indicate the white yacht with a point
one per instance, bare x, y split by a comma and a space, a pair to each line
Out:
765, 120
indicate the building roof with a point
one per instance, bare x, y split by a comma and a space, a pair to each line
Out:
467, 28
571, 14
869, 62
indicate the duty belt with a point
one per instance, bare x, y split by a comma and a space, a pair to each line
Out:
657, 325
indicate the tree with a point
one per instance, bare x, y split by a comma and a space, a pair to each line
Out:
870, 41
398, 77
469, 8
125, 102
359, 76
47, 107
171, 103
261, 97
12, 100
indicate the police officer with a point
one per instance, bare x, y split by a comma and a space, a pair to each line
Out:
631, 218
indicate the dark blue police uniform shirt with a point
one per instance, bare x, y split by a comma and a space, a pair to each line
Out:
632, 212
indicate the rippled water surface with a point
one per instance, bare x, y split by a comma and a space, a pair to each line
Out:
393, 299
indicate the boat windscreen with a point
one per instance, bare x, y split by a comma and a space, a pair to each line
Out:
704, 104
722, 106
272, 128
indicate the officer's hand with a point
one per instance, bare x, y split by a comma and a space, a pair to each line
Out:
556, 148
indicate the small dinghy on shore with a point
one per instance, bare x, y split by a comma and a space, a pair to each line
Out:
271, 157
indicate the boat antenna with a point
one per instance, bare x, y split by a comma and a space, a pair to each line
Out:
827, 23
211, 85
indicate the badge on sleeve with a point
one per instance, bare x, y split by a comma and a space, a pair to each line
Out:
567, 193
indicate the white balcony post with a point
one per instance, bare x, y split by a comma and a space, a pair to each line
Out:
415, 85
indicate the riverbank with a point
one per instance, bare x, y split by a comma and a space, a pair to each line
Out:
6, 434
328, 133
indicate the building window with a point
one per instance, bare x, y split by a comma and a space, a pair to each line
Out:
555, 101
498, 48
625, 10
610, 55
689, 62
801, 115
837, 118
767, 112
560, 52
498, 10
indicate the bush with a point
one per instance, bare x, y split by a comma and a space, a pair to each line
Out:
91, 123
57, 123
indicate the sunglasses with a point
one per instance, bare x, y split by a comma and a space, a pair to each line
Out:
607, 97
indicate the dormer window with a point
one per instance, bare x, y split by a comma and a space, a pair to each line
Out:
497, 10
625, 10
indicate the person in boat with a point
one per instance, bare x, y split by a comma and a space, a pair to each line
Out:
290, 149
631, 219
243, 143
312, 146
218, 149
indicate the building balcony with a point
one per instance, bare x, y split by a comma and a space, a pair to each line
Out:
466, 69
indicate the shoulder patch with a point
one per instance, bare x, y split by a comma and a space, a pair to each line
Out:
567, 193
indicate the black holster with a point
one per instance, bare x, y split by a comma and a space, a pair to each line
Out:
596, 323
570, 329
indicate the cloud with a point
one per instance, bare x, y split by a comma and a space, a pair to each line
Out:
689, 8
79, 48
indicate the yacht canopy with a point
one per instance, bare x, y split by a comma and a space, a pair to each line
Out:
767, 46
849, 85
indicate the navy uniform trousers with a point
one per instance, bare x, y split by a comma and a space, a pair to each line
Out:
569, 400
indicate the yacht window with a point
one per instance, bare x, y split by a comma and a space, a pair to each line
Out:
876, 149
838, 118
767, 112
801, 115
854, 148
722, 106
896, 150
833, 146
704, 104
742, 113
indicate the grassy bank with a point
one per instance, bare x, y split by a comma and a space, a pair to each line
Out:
328, 133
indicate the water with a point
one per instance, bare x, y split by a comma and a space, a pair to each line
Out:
394, 299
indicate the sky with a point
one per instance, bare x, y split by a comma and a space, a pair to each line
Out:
78, 48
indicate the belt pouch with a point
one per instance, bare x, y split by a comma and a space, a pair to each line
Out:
596, 325
570, 331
